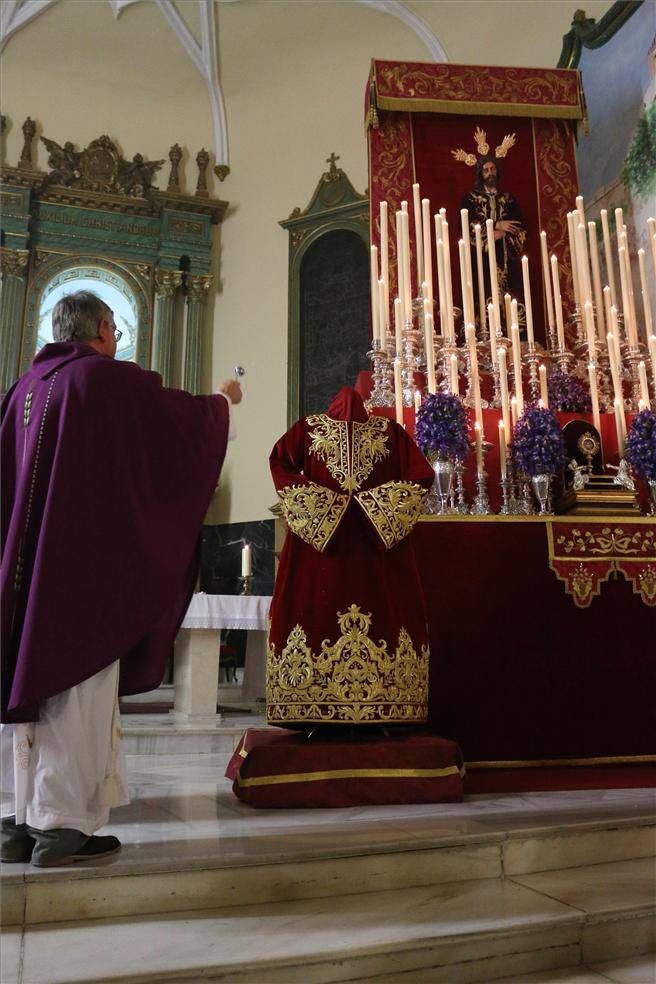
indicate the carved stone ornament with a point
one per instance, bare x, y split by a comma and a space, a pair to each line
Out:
222, 171
198, 286
100, 167
167, 282
202, 160
13, 262
175, 156
29, 130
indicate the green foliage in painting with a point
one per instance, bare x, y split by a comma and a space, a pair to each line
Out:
640, 167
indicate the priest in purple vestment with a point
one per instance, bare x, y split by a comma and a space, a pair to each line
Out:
106, 479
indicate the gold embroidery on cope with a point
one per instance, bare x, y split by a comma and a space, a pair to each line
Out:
393, 509
312, 512
353, 680
350, 462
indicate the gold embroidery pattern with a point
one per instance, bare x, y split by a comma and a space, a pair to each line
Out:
351, 681
393, 509
556, 180
607, 542
391, 176
349, 465
313, 512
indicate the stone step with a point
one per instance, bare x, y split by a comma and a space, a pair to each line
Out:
165, 734
310, 862
475, 930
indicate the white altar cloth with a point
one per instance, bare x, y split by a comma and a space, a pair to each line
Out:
210, 611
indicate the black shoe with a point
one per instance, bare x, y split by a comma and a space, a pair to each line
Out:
92, 849
17, 845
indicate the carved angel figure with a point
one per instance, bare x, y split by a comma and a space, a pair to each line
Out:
136, 178
581, 477
63, 161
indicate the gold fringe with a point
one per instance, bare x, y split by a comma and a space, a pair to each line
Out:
466, 108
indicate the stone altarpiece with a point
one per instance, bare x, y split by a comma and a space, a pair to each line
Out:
98, 216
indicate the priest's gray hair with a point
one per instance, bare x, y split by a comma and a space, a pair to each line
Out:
75, 317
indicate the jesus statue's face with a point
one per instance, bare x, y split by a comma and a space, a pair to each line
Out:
489, 175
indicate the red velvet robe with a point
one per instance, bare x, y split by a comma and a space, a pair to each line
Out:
348, 641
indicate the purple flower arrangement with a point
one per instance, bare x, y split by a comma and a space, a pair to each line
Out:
641, 445
538, 445
568, 394
442, 427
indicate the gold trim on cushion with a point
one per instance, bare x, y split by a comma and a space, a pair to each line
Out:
350, 461
449, 770
351, 681
393, 509
313, 512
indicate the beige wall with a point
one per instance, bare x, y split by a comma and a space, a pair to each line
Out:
293, 76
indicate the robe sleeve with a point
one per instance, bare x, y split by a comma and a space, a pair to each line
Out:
515, 240
312, 511
394, 507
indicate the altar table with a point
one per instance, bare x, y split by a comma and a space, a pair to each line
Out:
519, 674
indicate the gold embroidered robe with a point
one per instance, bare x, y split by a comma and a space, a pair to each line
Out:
348, 641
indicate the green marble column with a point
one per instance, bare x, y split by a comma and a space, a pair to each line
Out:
197, 288
166, 284
13, 263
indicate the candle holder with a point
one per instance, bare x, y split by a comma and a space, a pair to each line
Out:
469, 400
633, 356
246, 584
481, 506
382, 394
412, 340
532, 360
461, 508
576, 321
526, 507
552, 339
565, 360
506, 506
515, 507
447, 350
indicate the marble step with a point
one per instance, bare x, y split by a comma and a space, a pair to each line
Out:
265, 865
164, 734
469, 931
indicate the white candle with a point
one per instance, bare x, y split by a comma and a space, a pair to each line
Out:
399, 257
464, 222
479, 276
407, 276
619, 223
615, 330
463, 283
560, 329
629, 324
527, 302
629, 281
592, 378
646, 305
620, 427
514, 411
503, 385
503, 453
579, 204
644, 386
517, 368
596, 280
478, 432
470, 338
608, 253
583, 262
492, 261
398, 391
453, 375
383, 313
546, 281
493, 333
246, 561
507, 305
588, 321
571, 233
417, 401
374, 292
651, 223
544, 388
448, 285
398, 326
441, 280
651, 343
384, 245
430, 352
514, 312
642, 406
428, 251
614, 372
419, 236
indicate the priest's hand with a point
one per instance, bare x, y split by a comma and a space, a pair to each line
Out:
507, 225
232, 390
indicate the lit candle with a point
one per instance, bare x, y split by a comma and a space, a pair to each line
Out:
546, 280
594, 395
492, 261
398, 391
398, 326
470, 338
479, 276
407, 276
646, 305
453, 375
417, 401
527, 302
478, 431
503, 453
571, 234
644, 386
544, 389
428, 251
608, 253
430, 352
503, 386
383, 313
374, 292
517, 368
620, 427
493, 333
596, 280
629, 324
384, 246
419, 235
514, 411
560, 329
507, 302
246, 561
464, 222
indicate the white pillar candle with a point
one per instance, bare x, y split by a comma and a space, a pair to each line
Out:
651, 225
448, 284
629, 280
571, 233
651, 344
579, 204
617, 338
464, 222
479, 276
383, 313
398, 391
417, 401
546, 281
583, 262
419, 236
430, 352
503, 451
503, 386
588, 322
527, 302
644, 386
642, 406
246, 561
608, 253
517, 368
507, 302
594, 395
407, 276
560, 328
466, 316
470, 338
441, 281
619, 223
620, 427
514, 411
614, 371
514, 312
384, 246
399, 257
398, 326
374, 293
478, 433
428, 250
629, 325
453, 375
492, 262
646, 305
544, 388
596, 280
493, 333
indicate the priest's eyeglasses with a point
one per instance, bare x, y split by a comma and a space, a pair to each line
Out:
118, 334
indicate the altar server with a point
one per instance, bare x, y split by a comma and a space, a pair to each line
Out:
106, 479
